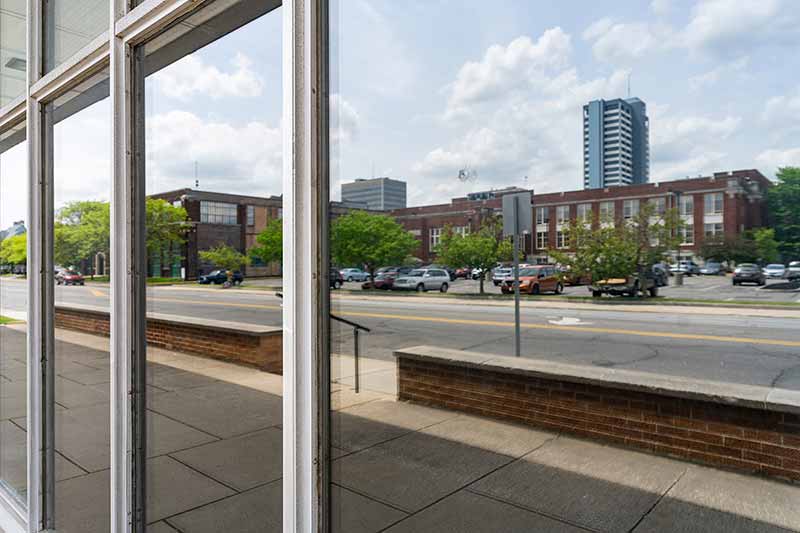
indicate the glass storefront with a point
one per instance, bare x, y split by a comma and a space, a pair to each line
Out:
364, 266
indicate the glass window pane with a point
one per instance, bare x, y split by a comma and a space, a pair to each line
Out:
213, 183
13, 43
82, 366
69, 26
682, 281
13, 312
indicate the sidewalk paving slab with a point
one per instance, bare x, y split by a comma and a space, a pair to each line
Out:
465, 511
595, 486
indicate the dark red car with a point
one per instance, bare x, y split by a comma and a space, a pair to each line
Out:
463, 273
384, 280
69, 277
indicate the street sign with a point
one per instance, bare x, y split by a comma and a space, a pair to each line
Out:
517, 219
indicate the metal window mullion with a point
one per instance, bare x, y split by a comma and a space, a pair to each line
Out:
306, 384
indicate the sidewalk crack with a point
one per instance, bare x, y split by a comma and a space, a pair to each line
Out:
658, 501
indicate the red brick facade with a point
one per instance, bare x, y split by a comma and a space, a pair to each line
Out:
742, 192
753, 440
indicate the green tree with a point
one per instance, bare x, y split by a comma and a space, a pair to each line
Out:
783, 201
360, 238
729, 250
270, 243
225, 257
480, 250
166, 229
14, 250
767, 248
618, 251
82, 230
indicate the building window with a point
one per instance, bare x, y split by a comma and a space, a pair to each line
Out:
659, 206
686, 206
606, 211
541, 240
561, 239
562, 214
713, 204
461, 230
713, 230
436, 234
687, 234
217, 213
280, 212
630, 208
585, 213
251, 215
542, 215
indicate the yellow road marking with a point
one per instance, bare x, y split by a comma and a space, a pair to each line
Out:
582, 329
95, 292
495, 323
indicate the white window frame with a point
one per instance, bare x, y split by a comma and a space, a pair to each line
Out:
561, 240
713, 198
686, 206
562, 214
305, 387
630, 208
542, 215
687, 235
434, 237
584, 213
542, 240
251, 215
606, 211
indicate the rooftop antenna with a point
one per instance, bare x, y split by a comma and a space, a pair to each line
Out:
196, 181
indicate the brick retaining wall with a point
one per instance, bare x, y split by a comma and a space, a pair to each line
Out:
261, 347
718, 433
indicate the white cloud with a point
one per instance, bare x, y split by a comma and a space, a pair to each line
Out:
191, 76
345, 120
781, 114
724, 26
687, 145
661, 7
505, 68
598, 28
774, 159
711, 77
245, 159
524, 112
623, 42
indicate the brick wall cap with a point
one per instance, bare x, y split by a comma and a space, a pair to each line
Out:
753, 396
241, 328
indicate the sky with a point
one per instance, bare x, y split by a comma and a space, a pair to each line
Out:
422, 89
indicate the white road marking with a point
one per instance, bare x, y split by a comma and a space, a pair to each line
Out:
569, 321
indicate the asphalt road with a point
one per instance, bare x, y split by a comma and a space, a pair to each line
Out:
736, 347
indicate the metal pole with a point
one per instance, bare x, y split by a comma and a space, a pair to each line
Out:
355, 354
516, 278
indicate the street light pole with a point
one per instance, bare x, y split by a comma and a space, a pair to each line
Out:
516, 278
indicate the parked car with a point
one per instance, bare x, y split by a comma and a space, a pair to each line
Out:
423, 280
775, 270
534, 280
383, 280
450, 272
500, 274
476, 273
69, 277
628, 286
661, 275
712, 268
572, 278
464, 272
688, 268
749, 273
218, 277
793, 272
354, 274
336, 279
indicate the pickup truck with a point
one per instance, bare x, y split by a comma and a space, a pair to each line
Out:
629, 286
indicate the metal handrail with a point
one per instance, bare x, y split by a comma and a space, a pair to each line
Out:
356, 327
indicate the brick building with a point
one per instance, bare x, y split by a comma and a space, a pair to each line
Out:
726, 203
219, 218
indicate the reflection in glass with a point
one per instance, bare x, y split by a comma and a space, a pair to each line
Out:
69, 26
12, 50
82, 375
13, 312
212, 161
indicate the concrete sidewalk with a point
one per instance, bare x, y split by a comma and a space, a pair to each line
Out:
215, 460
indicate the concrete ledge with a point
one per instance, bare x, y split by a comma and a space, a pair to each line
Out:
750, 428
249, 344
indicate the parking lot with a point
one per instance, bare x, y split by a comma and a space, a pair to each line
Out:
716, 288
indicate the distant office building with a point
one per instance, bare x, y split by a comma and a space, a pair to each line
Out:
380, 194
17, 228
616, 143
